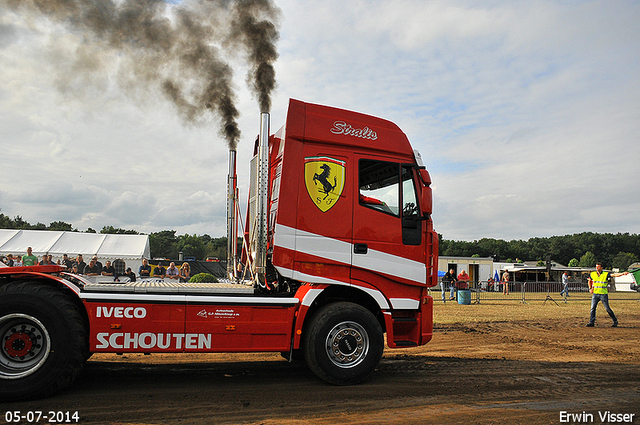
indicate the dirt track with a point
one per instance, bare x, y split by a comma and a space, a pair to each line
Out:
487, 364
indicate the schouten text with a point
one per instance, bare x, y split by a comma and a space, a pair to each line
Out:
149, 340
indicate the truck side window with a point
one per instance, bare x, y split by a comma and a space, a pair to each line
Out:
409, 200
411, 223
380, 186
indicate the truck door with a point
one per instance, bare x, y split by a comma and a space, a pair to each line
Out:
388, 231
323, 222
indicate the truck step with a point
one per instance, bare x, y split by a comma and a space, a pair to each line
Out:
405, 320
405, 343
162, 287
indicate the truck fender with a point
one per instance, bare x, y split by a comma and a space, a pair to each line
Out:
307, 294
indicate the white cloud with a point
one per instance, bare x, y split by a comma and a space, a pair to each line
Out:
526, 113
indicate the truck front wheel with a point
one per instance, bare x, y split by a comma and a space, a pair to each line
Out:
343, 343
43, 341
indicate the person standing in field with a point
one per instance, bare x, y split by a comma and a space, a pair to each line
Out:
598, 283
450, 279
565, 284
463, 279
505, 283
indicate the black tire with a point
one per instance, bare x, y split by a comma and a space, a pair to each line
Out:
343, 343
43, 341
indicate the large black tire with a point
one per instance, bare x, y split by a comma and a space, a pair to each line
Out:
43, 341
343, 343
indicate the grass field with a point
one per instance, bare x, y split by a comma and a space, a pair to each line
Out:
626, 305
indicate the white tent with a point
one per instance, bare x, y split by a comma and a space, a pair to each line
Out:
129, 248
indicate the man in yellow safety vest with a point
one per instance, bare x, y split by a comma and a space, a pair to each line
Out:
598, 283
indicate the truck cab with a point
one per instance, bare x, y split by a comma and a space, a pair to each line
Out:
350, 212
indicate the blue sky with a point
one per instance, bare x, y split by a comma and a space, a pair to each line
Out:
527, 115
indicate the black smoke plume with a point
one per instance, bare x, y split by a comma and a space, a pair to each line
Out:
253, 26
175, 49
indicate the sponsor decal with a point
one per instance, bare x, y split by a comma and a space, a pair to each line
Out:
122, 312
324, 179
218, 314
149, 340
341, 127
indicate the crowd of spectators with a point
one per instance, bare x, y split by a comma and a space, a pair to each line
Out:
95, 267
182, 274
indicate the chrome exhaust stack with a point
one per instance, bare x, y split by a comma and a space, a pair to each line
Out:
232, 225
258, 198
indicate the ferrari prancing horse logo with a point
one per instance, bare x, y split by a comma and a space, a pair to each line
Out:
324, 178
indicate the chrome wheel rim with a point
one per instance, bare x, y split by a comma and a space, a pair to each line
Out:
24, 345
347, 344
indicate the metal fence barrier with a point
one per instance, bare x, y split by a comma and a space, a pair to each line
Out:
525, 292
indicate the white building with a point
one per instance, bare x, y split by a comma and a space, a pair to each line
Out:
479, 269
119, 249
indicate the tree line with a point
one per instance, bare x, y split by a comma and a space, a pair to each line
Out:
618, 250
581, 249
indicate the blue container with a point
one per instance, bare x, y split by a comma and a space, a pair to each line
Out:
464, 297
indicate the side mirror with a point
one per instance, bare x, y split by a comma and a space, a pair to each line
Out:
426, 195
425, 177
427, 201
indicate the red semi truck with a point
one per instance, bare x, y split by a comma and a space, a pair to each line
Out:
339, 249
